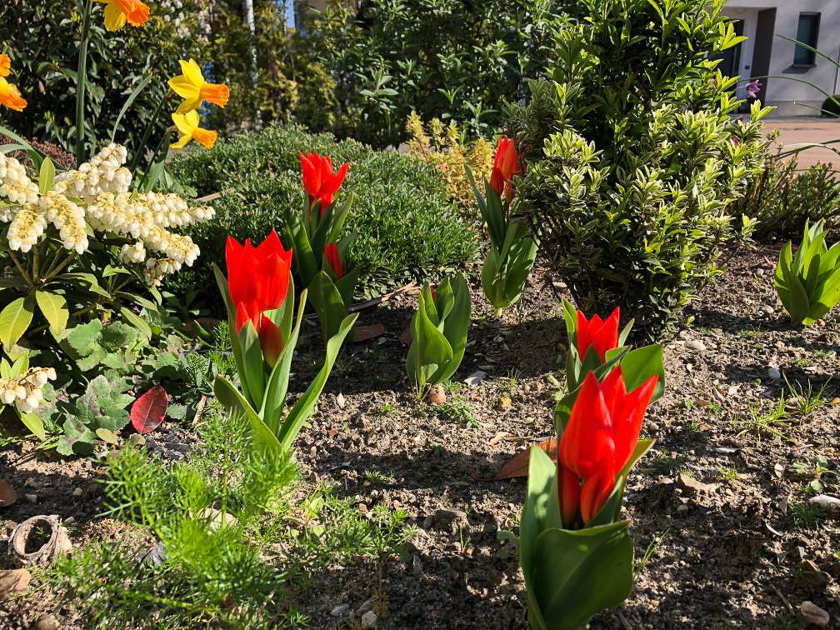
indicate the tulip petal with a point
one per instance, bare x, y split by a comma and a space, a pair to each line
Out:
596, 490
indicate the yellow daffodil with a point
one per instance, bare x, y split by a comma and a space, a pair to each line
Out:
118, 12
187, 125
192, 87
10, 96
5, 65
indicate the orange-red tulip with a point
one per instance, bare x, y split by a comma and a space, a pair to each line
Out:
505, 166
258, 280
333, 257
602, 334
600, 437
319, 180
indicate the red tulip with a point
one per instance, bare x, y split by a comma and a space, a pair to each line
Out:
333, 257
505, 166
602, 334
600, 437
319, 181
258, 280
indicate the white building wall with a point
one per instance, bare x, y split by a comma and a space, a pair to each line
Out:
792, 98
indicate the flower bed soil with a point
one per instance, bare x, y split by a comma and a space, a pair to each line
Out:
725, 536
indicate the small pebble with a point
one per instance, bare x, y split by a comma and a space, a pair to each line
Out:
695, 344
369, 620
77, 492
48, 622
774, 373
815, 615
340, 610
31, 498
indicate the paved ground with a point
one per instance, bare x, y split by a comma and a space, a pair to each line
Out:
807, 129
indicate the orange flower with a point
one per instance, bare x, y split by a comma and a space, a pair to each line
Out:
5, 65
188, 129
118, 12
192, 87
10, 96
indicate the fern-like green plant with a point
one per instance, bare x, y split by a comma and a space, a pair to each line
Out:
809, 283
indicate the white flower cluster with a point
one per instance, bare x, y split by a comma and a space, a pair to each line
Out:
27, 226
170, 210
133, 217
133, 253
157, 268
14, 183
104, 173
68, 218
96, 195
26, 392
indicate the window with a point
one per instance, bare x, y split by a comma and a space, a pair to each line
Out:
807, 32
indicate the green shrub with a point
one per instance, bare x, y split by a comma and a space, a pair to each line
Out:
407, 229
441, 58
783, 198
632, 158
831, 106
42, 39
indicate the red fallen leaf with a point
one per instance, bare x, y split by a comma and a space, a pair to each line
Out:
148, 411
518, 465
364, 333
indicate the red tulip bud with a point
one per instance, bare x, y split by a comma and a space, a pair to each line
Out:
602, 334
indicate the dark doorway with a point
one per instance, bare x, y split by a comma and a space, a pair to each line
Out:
763, 48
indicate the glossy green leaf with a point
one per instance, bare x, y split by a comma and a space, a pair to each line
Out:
34, 424
141, 324
54, 309
46, 177
14, 320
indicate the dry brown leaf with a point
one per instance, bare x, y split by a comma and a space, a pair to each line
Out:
14, 580
7, 494
365, 333
518, 465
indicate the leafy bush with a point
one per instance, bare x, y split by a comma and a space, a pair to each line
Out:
438, 57
783, 198
406, 227
631, 157
42, 38
444, 148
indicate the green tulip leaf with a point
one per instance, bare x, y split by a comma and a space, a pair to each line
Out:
306, 403
231, 398
577, 574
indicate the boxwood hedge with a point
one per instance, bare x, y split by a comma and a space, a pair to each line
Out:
408, 229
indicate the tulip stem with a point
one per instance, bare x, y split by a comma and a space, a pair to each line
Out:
81, 83
138, 154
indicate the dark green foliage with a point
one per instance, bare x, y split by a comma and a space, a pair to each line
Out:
407, 229
783, 197
42, 40
632, 158
441, 58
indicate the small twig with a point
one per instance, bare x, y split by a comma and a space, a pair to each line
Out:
782, 597
410, 288
623, 621
210, 197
